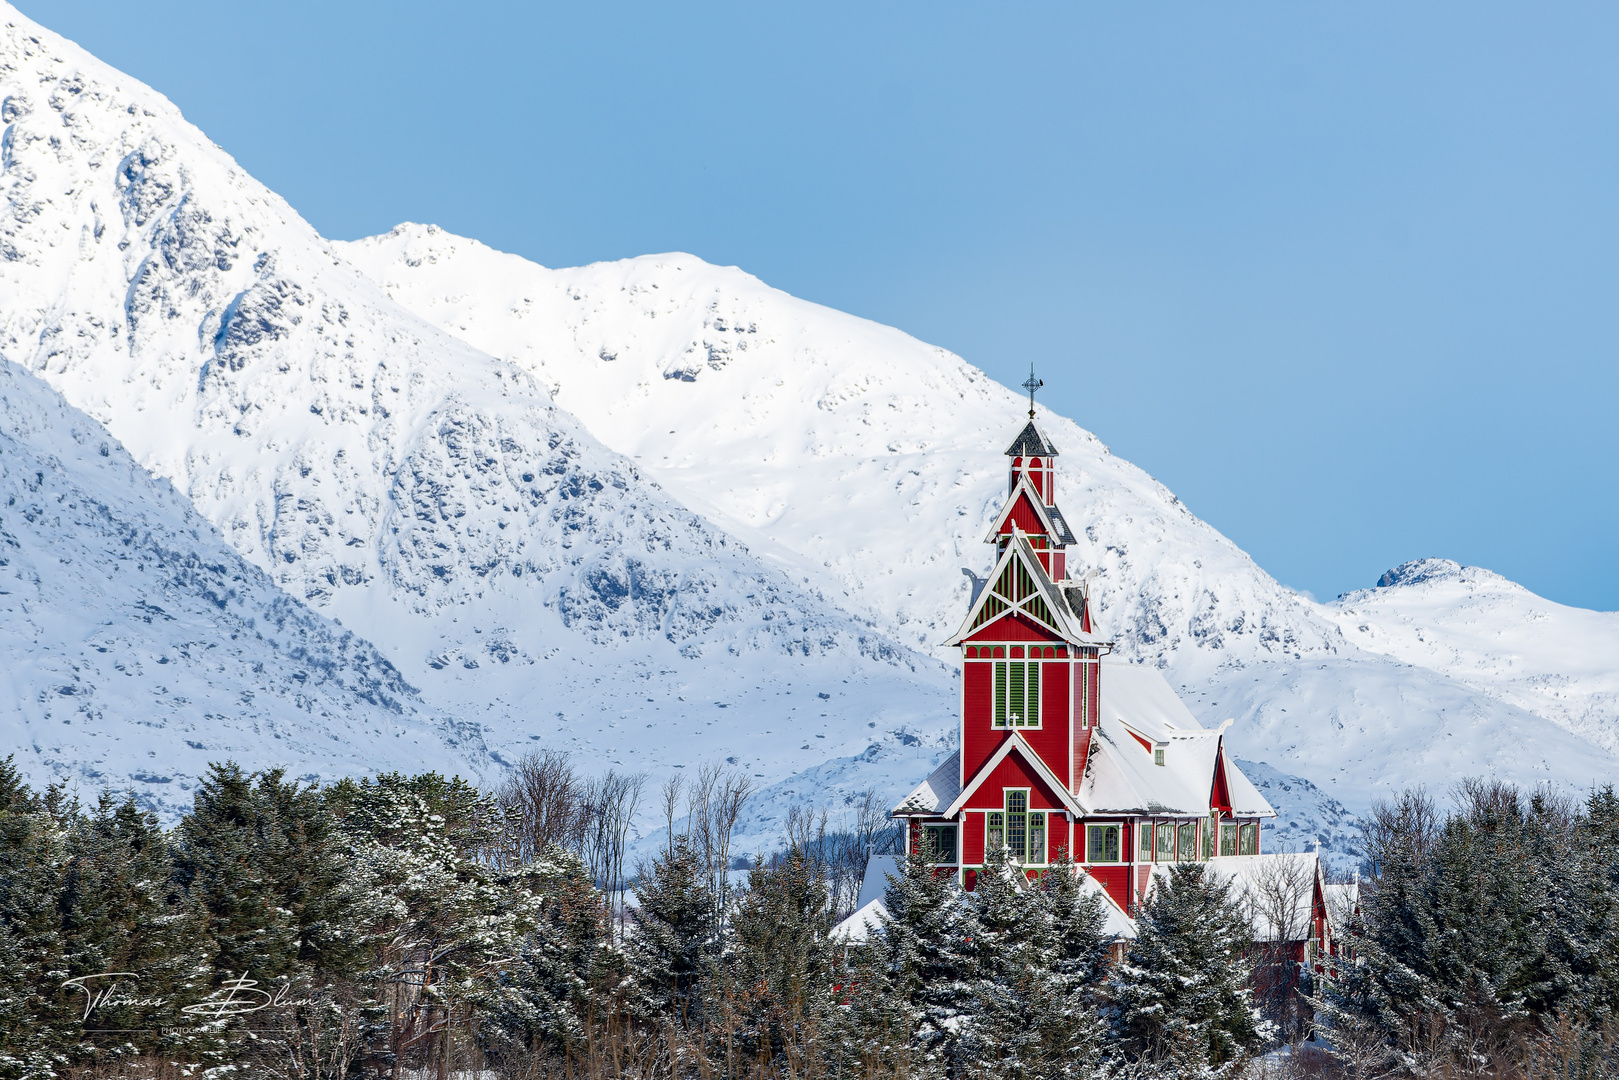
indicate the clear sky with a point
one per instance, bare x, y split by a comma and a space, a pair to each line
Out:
1343, 276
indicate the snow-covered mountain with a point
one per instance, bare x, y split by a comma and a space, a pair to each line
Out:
1497, 637
868, 462
431, 497
136, 646
652, 510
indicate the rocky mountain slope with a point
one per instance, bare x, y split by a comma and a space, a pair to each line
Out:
136, 646
430, 496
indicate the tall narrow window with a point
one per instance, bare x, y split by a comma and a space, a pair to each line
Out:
1250, 839
1144, 831
939, 842
1166, 841
1188, 843
1037, 839
1017, 693
1017, 824
994, 832
1228, 838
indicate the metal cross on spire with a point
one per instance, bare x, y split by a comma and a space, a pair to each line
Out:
1031, 384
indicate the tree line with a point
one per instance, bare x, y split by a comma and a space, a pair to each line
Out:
414, 926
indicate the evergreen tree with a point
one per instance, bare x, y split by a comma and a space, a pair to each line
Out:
441, 921
1041, 960
865, 1027
673, 936
929, 936
38, 1021
563, 967
261, 857
121, 911
1181, 992
778, 966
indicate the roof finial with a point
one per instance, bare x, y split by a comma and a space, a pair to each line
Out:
1031, 385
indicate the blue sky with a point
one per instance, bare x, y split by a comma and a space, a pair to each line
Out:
1344, 276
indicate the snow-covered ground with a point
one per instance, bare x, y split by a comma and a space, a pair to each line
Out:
661, 513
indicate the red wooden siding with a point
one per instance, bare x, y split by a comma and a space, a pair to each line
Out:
1050, 739
1057, 836
971, 837
1013, 627
1116, 880
1013, 773
978, 739
1220, 798
1022, 514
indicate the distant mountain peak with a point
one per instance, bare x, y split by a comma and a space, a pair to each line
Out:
1419, 572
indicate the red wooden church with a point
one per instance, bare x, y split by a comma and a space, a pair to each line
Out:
1060, 748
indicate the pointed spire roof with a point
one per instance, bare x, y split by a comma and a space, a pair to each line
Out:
1031, 442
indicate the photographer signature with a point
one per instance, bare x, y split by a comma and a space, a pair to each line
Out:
241, 994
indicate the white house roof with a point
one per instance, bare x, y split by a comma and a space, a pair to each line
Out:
938, 791
863, 925
1276, 892
1122, 775
874, 886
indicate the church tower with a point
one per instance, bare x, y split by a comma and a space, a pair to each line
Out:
1059, 751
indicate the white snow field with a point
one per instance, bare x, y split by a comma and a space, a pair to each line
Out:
656, 511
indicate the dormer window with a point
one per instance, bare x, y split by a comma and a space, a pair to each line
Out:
1158, 755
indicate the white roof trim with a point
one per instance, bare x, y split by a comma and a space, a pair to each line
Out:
1066, 627
1041, 769
1035, 500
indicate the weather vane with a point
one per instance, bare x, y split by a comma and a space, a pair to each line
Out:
1031, 385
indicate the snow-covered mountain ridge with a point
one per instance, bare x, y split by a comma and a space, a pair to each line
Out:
869, 461
136, 646
431, 497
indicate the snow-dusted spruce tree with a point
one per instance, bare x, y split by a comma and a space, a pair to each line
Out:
866, 1027
672, 936
37, 1022
121, 911
1040, 961
562, 978
440, 921
764, 1001
1181, 992
262, 858
928, 936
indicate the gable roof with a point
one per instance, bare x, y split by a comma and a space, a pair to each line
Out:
1120, 776
1015, 743
1061, 621
935, 793
1031, 442
1050, 517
